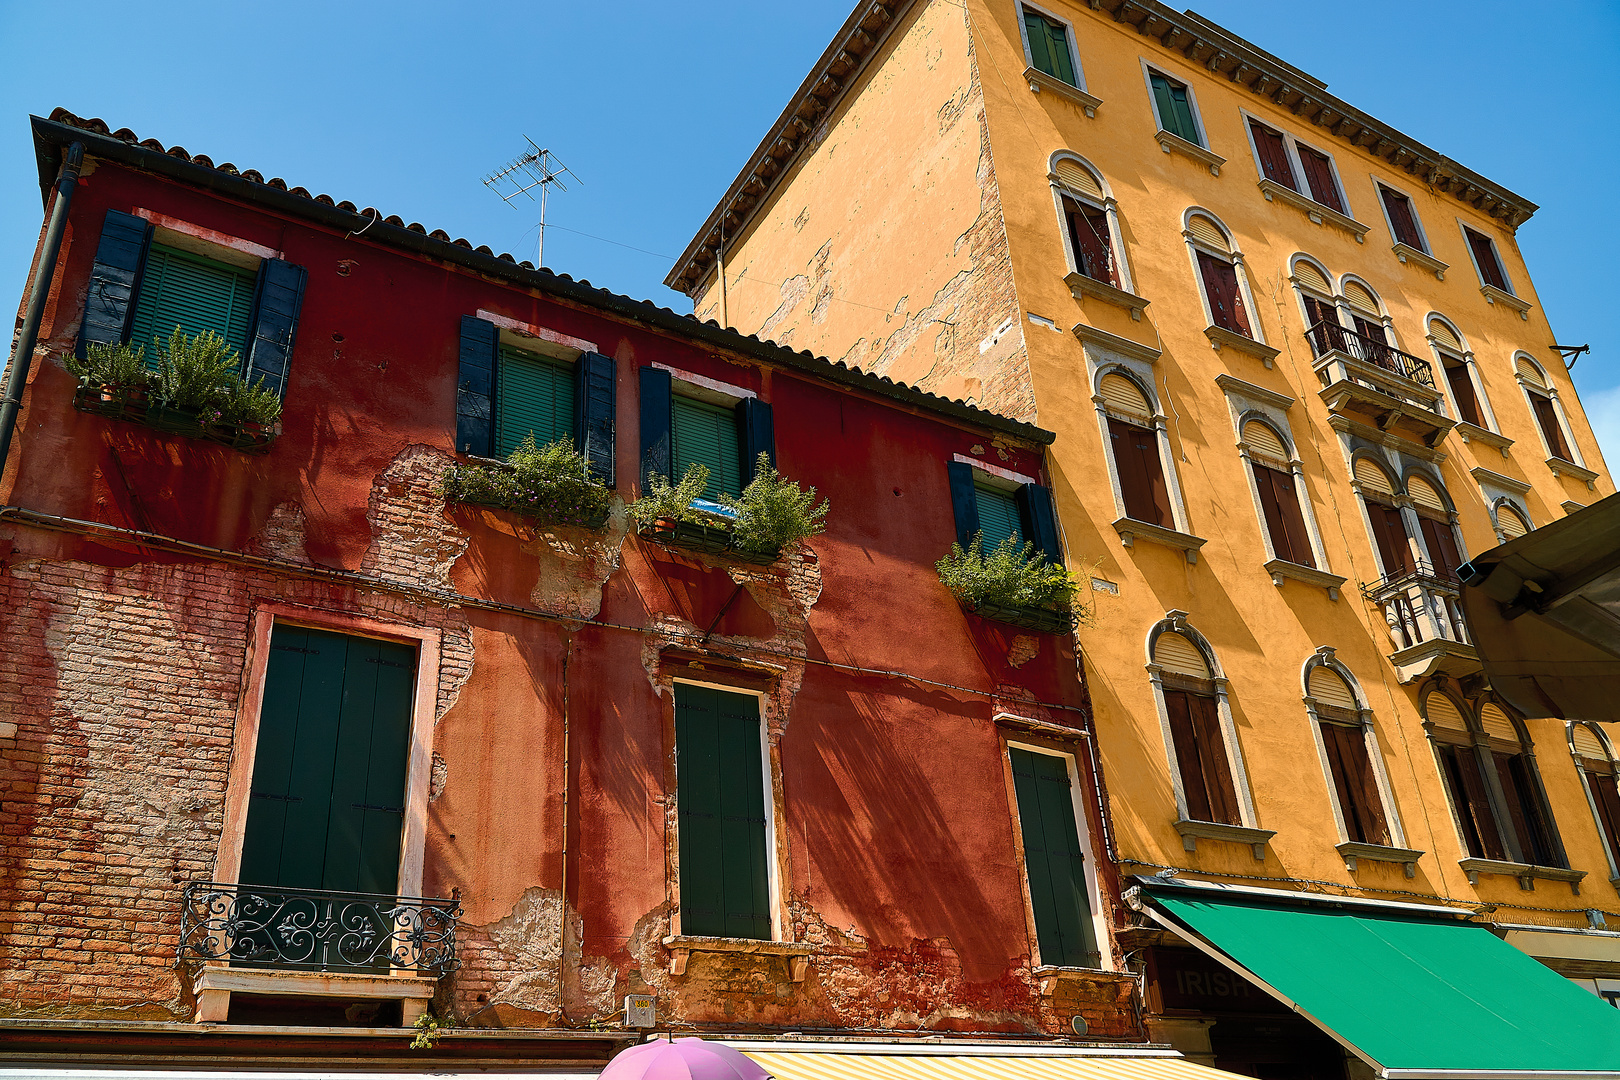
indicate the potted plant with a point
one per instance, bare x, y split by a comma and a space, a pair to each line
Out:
1012, 584
771, 513
552, 483
111, 378
667, 513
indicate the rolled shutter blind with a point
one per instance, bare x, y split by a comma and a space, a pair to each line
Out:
998, 516
1360, 296
706, 434
475, 388
1329, 688
1496, 723
1208, 233
278, 300
1264, 441
1372, 478
1443, 335
1532, 374
1174, 652
1311, 278
1123, 396
1424, 494
1587, 743
535, 396
194, 294
119, 254
1077, 178
1511, 522
1442, 713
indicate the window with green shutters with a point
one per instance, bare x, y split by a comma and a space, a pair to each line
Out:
533, 395
706, 434
1049, 47
1174, 104
1053, 859
720, 792
998, 515
180, 289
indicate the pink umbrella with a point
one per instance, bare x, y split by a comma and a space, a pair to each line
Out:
683, 1059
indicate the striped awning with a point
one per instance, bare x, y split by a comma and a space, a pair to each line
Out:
943, 1065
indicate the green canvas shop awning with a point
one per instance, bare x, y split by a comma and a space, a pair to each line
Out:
1415, 996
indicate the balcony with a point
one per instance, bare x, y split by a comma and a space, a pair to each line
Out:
260, 939
1423, 612
1369, 377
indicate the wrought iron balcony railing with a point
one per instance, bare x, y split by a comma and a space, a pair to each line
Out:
1329, 337
310, 929
1420, 605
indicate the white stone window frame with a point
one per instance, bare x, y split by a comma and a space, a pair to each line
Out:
1124, 294
1320, 213
1176, 621
1466, 356
1348, 311
1548, 390
775, 840
1141, 373
1218, 335
1390, 463
1424, 256
1332, 297
1510, 297
1396, 850
1039, 80
1094, 897
1609, 853
1168, 141
1512, 505
1409, 509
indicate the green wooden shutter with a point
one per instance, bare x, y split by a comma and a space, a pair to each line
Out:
327, 802
1175, 109
1053, 859
534, 395
998, 516
179, 289
707, 434
724, 875
1057, 46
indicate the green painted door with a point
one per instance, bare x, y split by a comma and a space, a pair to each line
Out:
328, 798
1053, 859
720, 780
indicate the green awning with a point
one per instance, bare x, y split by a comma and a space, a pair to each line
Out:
1414, 995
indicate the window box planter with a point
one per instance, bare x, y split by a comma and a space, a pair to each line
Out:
1040, 619
709, 539
594, 521
134, 405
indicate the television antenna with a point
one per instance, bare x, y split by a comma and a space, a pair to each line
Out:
536, 167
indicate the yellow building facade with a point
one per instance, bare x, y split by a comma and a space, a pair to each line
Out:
1298, 372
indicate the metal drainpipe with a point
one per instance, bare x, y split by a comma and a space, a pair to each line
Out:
22, 359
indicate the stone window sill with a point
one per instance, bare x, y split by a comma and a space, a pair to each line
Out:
1353, 850
1130, 529
1220, 337
1475, 433
215, 984
682, 946
1194, 831
1282, 568
1493, 295
1527, 873
1039, 80
1051, 974
1413, 257
1314, 210
1177, 145
1560, 467
1081, 286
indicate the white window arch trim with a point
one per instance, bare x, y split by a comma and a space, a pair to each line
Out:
1509, 297
1352, 851
1168, 141
1124, 295
1424, 258
1192, 831
1276, 567
1548, 389
1586, 782
1396, 496
1039, 80
1141, 373
1348, 309
1218, 335
1077, 784
1507, 502
1440, 350
1319, 213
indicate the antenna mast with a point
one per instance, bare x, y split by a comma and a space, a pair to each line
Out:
536, 167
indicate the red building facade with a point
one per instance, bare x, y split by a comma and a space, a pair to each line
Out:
516, 714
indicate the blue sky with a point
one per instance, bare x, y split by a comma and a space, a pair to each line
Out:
405, 105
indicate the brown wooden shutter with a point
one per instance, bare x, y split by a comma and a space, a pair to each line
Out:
1217, 771
1185, 742
1547, 417
1141, 480
1401, 219
1273, 156
1389, 533
1524, 808
1356, 784
1490, 267
1442, 545
1225, 300
1467, 788
1326, 332
1293, 518
1462, 392
1147, 449
1088, 233
1319, 177
1607, 799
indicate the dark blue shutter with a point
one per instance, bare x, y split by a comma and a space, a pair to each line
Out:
964, 501
758, 434
475, 388
1040, 524
278, 298
594, 410
656, 422
113, 278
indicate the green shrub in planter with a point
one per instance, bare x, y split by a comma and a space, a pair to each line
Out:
773, 511
114, 366
197, 374
551, 483
1011, 576
663, 501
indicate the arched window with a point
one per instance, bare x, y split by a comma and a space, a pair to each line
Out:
1467, 393
1090, 216
1511, 521
1463, 776
1134, 445
1529, 824
1384, 519
1218, 266
1206, 766
1436, 526
1322, 325
1363, 805
1279, 487
1594, 758
1542, 397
